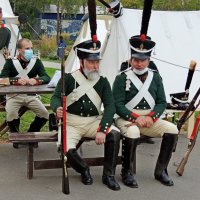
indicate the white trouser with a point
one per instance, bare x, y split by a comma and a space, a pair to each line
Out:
32, 102
157, 130
78, 127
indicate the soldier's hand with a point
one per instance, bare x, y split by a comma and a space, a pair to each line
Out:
100, 138
32, 81
141, 121
59, 112
149, 121
22, 81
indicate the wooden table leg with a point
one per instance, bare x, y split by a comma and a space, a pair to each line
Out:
30, 161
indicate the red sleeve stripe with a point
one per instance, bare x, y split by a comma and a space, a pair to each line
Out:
134, 115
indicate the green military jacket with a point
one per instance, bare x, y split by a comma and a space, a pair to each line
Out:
84, 106
121, 97
38, 72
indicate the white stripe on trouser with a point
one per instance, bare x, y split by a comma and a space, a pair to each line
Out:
157, 130
78, 127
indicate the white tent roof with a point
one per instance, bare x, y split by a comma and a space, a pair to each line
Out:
177, 41
10, 21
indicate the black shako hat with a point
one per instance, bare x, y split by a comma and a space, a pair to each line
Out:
88, 50
141, 46
116, 8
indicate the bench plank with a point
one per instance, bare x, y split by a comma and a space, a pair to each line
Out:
33, 137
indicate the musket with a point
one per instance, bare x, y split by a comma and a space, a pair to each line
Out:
186, 115
192, 141
106, 5
190, 108
182, 97
65, 179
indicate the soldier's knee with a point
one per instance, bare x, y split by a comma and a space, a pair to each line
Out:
132, 132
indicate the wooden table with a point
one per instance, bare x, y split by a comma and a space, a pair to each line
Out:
36, 89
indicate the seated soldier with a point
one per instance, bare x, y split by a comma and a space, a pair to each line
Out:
124, 66
86, 91
140, 100
25, 70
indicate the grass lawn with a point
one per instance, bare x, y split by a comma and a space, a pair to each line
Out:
29, 116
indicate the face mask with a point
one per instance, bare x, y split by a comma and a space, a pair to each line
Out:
28, 54
140, 72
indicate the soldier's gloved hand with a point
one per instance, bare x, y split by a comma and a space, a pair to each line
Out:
100, 138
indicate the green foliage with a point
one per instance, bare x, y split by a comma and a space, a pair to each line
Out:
48, 46
26, 35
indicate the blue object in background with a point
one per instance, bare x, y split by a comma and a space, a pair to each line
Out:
61, 45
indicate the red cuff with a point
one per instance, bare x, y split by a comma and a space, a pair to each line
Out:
151, 113
107, 131
134, 115
98, 129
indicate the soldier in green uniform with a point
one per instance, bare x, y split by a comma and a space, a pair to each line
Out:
140, 101
86, 91
25, 70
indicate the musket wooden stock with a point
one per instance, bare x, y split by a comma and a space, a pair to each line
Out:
65, 179
181, 166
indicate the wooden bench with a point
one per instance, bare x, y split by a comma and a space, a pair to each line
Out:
31, 137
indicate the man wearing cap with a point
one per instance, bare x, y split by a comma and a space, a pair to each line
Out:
86, 92
140, 101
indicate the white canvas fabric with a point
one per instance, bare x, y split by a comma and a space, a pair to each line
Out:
176, 34
11, 22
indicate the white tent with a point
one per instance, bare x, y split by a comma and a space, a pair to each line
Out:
10, 21
177, 41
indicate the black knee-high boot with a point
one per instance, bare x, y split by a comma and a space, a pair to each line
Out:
167, 146
77, 163
129, 146
14, 127
111, 150
37, 124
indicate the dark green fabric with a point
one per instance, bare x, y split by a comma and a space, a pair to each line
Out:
122, 97
38, 71
84, 107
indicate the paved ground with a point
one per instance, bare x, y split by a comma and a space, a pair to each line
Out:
50, 64
46, 184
